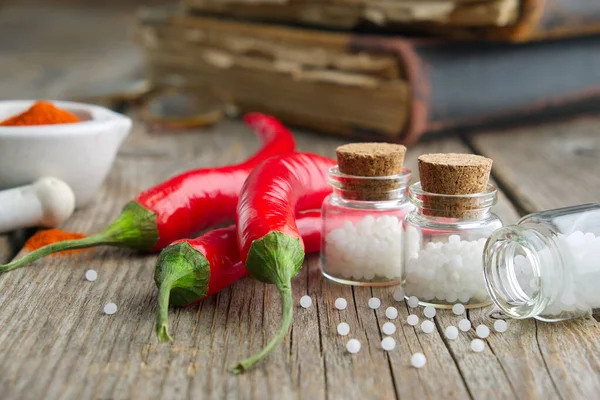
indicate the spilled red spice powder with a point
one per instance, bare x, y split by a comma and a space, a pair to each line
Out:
49, 236
41, 113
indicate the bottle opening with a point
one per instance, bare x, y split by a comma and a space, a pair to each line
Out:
513, 274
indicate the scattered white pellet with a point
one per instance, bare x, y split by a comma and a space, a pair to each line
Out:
353, 346
398, 294
458, 309
418, 360
464, 325
110, 308
451, 332
343, 328
500, 326
305, 302
429, 311
413, 301
341, 304
482, 331
412, 319
388, 343
388, 328
374, 303
477, 345
91, 275
391, 313
427, 326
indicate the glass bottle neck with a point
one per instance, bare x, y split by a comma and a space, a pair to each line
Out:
523, 269
369, 189
452, 208
465, 216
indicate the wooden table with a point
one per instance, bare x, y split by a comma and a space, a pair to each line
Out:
55, 341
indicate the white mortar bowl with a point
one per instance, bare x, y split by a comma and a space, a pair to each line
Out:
81, 153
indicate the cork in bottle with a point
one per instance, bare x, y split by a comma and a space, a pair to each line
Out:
453, 174
376, 160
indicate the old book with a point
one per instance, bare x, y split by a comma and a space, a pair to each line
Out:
503, 20
372, 86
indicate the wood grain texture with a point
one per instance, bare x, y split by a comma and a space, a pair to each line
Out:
5, 249
57, 343
545, 167
52, 51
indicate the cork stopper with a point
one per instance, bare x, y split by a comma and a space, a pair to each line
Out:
453, 174
371, 160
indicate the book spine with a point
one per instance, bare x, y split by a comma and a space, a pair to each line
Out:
464, 84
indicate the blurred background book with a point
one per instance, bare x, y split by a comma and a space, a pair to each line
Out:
361, 82
514, 20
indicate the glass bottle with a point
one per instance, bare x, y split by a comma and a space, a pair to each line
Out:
362, 228
444, 240
547, 265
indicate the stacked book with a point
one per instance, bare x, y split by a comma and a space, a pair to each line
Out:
357, 67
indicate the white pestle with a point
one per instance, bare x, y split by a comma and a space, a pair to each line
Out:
47, 202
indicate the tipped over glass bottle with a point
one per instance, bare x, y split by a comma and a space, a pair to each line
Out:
547, 265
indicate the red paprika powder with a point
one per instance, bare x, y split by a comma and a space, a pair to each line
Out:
48, 236
41, 113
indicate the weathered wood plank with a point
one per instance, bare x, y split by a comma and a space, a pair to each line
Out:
545, 167
49, 310
57, 50
5, 249
549, 165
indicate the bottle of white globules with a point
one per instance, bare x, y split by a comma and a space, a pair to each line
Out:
362, 218
547, 266
446, 233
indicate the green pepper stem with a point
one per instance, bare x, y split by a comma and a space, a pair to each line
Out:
286, 321
162, 312
91, 241
134, 228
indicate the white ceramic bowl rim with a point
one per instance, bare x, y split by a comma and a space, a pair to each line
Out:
101, 118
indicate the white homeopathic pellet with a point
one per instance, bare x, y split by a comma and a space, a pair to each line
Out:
429, 312
413, 301
388, 343
458, 309
444, 272
451, 332
110, 308
482, 331
353, 346
388, 328
477, 345
464, 325
343, 328
391, 313
418, 360
368, 249
374, 303
91, 275
305, 301
500, 326
412, 319
427, 326
340, 303
398, 294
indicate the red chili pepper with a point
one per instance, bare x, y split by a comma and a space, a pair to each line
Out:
190, 270
182, 205
268, 238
